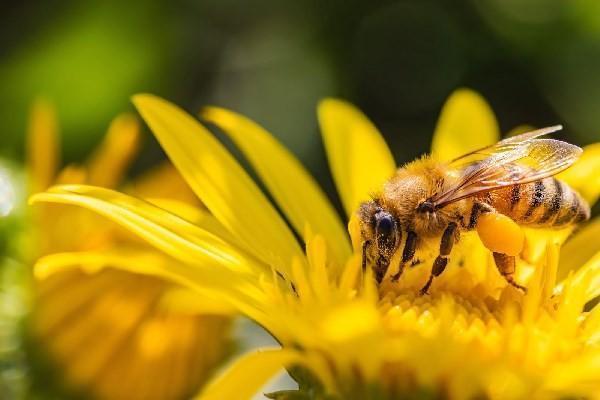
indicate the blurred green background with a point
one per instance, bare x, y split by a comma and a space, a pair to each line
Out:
535, 61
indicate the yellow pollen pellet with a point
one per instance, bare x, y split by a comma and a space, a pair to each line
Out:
500, 234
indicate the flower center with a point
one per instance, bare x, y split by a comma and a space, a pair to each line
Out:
458, 316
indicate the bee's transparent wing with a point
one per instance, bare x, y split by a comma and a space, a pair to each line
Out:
506, 145
516, 160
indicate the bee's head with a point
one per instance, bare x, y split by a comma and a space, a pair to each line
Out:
380, 228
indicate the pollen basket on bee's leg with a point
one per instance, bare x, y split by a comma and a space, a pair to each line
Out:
500, 234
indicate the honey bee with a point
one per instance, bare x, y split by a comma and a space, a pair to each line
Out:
428, 199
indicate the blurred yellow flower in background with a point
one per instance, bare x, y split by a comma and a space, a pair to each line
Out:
114, 334
341, 336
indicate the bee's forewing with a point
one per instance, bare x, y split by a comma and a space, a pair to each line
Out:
518, 160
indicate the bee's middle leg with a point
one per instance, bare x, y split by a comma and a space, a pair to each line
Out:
439, 265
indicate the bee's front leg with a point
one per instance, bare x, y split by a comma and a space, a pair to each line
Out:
407, 254
439, 265
381, 261
381, 267
365, 248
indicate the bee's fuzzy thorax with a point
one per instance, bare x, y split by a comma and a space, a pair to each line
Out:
414, 183
425, 164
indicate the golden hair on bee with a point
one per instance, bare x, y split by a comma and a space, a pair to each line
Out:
410, 186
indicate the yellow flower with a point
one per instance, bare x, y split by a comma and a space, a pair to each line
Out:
341, 336
113, 333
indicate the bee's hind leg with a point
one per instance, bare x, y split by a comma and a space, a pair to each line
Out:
506, 266
439, 265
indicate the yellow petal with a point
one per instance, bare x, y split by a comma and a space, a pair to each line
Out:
248, 374
219, 181
359, 158
139, 262
579, 249
169, 233
207, 279
71, 174
163, 181
294, 189
43, 147
583, 176
466, 123
110, 161
587, 278
196, 216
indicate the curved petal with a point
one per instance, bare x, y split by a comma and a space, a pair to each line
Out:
196, 216
359, 158
583, 176
466, 123
219, 181
294, 189
169, 233
163, 181
579, 249
207, 279
120, 145
248, 374
587, 279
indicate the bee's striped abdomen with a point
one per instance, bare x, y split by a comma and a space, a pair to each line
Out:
547, 202
536, 198
553, 203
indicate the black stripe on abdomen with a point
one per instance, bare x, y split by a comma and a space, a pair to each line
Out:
554, 204
515, 196
537, 198
573, 212
583, 213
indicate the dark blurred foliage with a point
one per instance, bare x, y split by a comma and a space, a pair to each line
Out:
536, 61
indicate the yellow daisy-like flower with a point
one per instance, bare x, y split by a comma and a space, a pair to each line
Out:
115, 334
341, 336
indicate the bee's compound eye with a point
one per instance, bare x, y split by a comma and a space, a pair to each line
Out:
385, 223
387, 234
